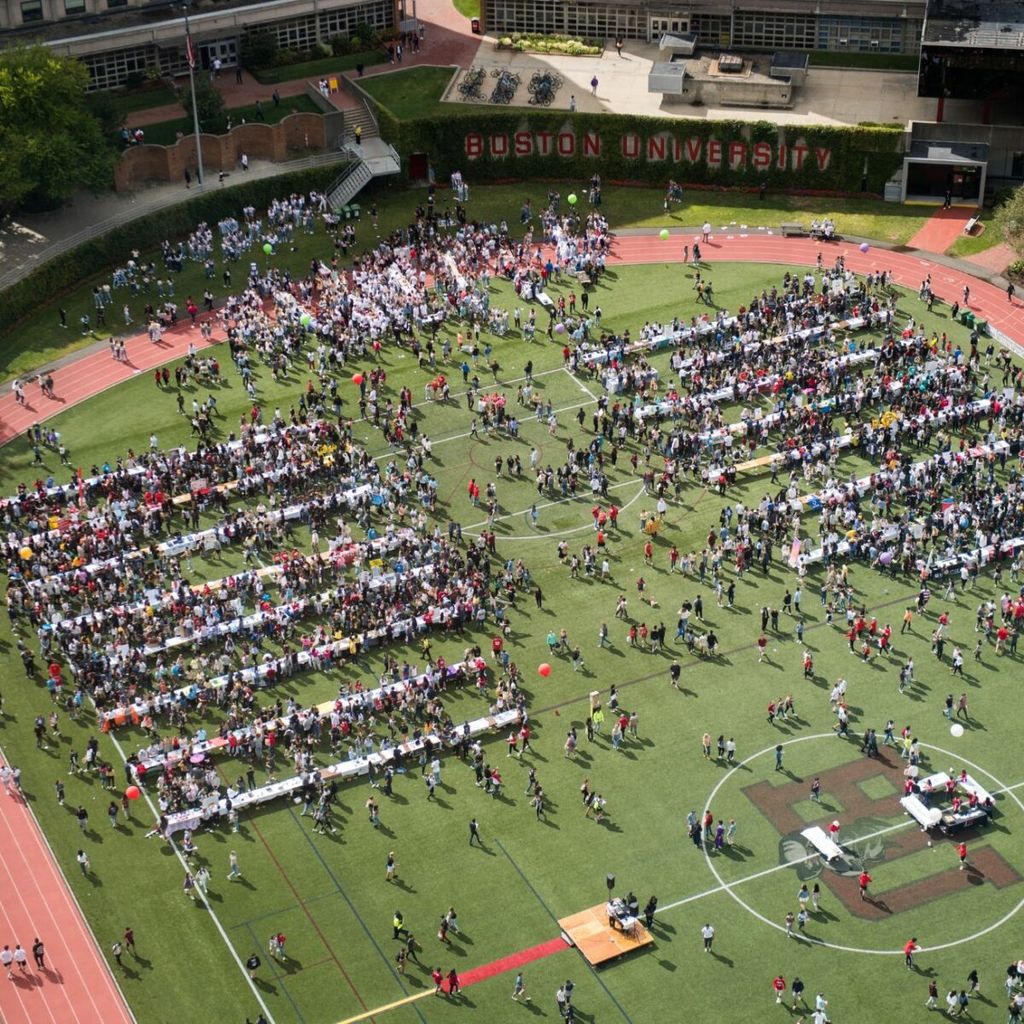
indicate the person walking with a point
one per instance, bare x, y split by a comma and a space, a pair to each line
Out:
252, 965
519, 989
83, 861
116, 951
908, 953
779, 987
474, 832
593, 86
961, 852
21, 958
233, 869
707, 933
863, 881
933, 995
39, 953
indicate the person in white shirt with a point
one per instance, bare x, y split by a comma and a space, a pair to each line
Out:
707, 933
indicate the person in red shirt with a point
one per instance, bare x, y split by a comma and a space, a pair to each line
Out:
438, 978
496, 645
908, 952
778, 987
961, 852
864, 881
833, 831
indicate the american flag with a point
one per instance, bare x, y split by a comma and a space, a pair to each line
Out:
190, 50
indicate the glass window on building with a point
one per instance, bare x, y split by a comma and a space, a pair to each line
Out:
117, 3
74, 6
31, 10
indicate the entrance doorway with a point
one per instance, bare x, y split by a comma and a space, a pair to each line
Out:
419, 169
658, 26
224, 50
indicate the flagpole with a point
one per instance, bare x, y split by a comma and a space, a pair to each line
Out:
191, 61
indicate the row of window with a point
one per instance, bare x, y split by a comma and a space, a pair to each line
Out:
32, 10
112, 69
748, 29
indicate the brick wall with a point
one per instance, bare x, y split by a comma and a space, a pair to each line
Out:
140, 165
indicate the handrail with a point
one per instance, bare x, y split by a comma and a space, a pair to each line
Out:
140, 209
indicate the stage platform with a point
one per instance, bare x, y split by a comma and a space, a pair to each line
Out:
597, 942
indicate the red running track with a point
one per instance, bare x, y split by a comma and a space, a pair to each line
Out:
76, 986
96, 371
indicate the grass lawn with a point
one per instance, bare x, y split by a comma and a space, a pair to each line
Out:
165, 133
128, 103
326, 66
970, 245
469, 8
329, 895
413, 92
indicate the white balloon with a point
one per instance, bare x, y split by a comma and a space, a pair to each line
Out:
956, 729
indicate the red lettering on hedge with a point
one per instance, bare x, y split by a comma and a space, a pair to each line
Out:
737, 154
474, 145
566, 144
656, 147
591, 144
523, 143
714, 153
693, 148
799, 155
544, 143
824, 157
762, 158
499, 145
631, 146
782, 156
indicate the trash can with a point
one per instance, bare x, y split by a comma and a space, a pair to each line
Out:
981, 326
475, 26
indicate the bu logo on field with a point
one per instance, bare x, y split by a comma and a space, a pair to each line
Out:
863, 817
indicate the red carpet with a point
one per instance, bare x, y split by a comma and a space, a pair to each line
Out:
512, 962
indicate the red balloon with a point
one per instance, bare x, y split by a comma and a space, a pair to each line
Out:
357, 378
133, 792
544, 669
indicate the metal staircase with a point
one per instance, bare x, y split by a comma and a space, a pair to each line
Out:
374, 158
348, 184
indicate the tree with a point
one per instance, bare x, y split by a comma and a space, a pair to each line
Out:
50, 143
1009, 219
209, 105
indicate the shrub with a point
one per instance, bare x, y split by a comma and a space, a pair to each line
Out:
259, 50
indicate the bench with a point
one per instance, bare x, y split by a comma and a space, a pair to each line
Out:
972, 224
792, 229
817, 838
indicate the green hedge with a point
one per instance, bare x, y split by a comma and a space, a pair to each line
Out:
71, 268
862, 159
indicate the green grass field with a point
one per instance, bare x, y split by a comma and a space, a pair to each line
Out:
329, 895
38, 339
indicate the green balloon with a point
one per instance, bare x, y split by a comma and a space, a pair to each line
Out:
305, 319
572, 198
664, 234
268, 248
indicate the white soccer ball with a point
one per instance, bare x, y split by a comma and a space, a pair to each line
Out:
956, 730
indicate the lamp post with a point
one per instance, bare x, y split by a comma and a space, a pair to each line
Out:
190, 59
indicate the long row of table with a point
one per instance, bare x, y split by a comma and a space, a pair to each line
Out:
341, 771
